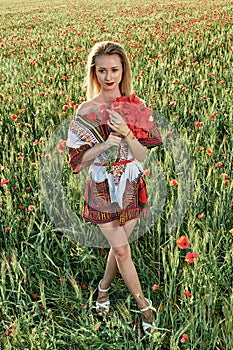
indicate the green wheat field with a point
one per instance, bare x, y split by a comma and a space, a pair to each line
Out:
182, 66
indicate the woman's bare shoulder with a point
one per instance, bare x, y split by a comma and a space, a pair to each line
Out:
86, 107
83, 106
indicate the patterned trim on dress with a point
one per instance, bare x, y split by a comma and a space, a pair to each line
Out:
135, 202
98, 217
150, 142
153, 139
86, 131
89, 133
76, 155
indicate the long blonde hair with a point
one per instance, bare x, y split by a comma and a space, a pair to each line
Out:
107, 48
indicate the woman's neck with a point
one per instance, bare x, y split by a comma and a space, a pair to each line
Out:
106, 97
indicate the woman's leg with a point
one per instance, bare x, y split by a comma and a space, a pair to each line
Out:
120, 256
109, 274
130, 276
129, 226
111, 266
116, 236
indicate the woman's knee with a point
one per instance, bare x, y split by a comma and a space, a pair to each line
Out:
122, 252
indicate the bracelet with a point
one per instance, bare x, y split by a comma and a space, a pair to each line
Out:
133, 138
127, 134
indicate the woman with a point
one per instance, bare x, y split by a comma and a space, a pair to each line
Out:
115, 197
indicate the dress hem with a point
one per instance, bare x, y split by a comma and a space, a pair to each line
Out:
98, 217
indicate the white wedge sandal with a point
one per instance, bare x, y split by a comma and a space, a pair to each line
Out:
145, 325
105, 305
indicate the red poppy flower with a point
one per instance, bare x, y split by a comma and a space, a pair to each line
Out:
173, 182
184, 338
183, 242
35, 296
36, 142
155, 287
31, 208
219, 164
172, 103
190, 257
4, 182
204, 97
14, 117
13, 326
146, 172
187, 294
61, 144
209, 151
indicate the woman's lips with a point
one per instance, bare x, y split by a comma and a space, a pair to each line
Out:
110, 84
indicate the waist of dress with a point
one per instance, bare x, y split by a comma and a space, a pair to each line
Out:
115, 163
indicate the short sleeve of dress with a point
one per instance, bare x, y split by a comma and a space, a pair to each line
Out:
76, 155
78, 142
151, 138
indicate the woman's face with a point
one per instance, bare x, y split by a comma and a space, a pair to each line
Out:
109, 71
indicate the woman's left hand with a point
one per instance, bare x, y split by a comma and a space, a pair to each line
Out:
117, 123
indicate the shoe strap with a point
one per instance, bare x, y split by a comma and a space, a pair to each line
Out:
104, 305
147, 307
102, 290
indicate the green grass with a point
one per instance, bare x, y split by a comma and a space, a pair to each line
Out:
180, 52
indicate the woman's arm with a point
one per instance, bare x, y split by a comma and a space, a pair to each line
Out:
97, 149
118, 124
92, 153
137, 149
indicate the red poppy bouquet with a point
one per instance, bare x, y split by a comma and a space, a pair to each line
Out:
134, 112
137, 116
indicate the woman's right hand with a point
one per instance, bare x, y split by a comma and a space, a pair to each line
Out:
113, 140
